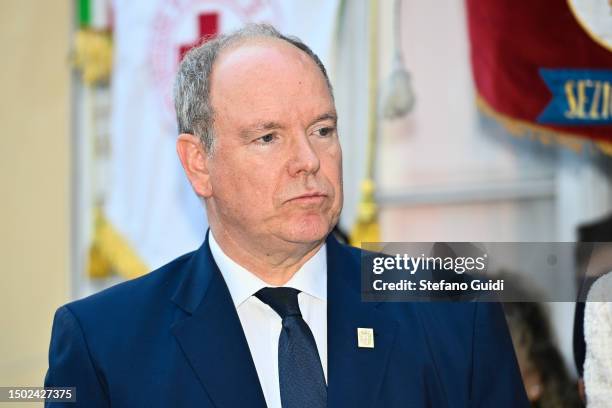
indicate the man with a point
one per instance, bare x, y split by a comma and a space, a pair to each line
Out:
266, 312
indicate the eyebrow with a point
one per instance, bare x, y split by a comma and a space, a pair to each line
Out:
258, 128
331, 115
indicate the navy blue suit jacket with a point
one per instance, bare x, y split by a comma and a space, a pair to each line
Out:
172, 338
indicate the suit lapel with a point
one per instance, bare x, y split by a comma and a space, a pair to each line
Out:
212, 338
355, 374
213, 341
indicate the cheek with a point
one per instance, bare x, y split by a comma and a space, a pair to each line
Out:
332, 164
338, 181
253, 186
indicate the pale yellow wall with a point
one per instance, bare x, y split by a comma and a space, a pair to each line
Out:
34, 181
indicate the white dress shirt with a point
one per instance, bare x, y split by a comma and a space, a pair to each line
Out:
262, 325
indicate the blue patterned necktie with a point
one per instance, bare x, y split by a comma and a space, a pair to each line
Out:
301, 378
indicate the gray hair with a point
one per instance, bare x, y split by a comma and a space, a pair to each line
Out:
194, 112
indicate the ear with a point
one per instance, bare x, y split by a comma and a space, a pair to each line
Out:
195, 163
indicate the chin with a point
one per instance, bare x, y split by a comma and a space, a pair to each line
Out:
308, 229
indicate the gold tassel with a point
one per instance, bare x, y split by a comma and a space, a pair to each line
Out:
366, 229
93, 55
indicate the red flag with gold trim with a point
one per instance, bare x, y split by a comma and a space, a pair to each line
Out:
545, 67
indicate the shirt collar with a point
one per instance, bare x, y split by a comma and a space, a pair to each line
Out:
311, 278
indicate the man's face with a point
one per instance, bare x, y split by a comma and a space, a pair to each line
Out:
276, 168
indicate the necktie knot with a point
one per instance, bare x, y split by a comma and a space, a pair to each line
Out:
283, 300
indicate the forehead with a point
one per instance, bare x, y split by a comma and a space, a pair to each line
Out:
267, 76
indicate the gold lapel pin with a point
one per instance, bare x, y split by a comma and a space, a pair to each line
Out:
365, 337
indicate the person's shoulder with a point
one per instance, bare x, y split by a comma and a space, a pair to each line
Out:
140, 295
601, 289
598, 308
109, 325
450, 320
445, 313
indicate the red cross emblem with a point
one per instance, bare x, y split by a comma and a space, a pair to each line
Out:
208, 28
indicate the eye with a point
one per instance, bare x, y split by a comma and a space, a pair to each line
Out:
325, 131
266, 139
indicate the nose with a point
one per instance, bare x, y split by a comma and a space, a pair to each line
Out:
304, 158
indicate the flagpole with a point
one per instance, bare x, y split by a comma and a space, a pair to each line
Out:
372, 89
366, 228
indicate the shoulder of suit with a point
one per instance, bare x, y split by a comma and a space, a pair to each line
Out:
135, 294
449, 314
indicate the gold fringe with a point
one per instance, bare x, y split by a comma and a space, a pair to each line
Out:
93, 55
522, 128
111, 253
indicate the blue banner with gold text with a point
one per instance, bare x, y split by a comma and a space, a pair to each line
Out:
579, 97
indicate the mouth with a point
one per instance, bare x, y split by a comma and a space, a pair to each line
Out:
313, 197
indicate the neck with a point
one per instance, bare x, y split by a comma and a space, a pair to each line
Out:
275, 265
